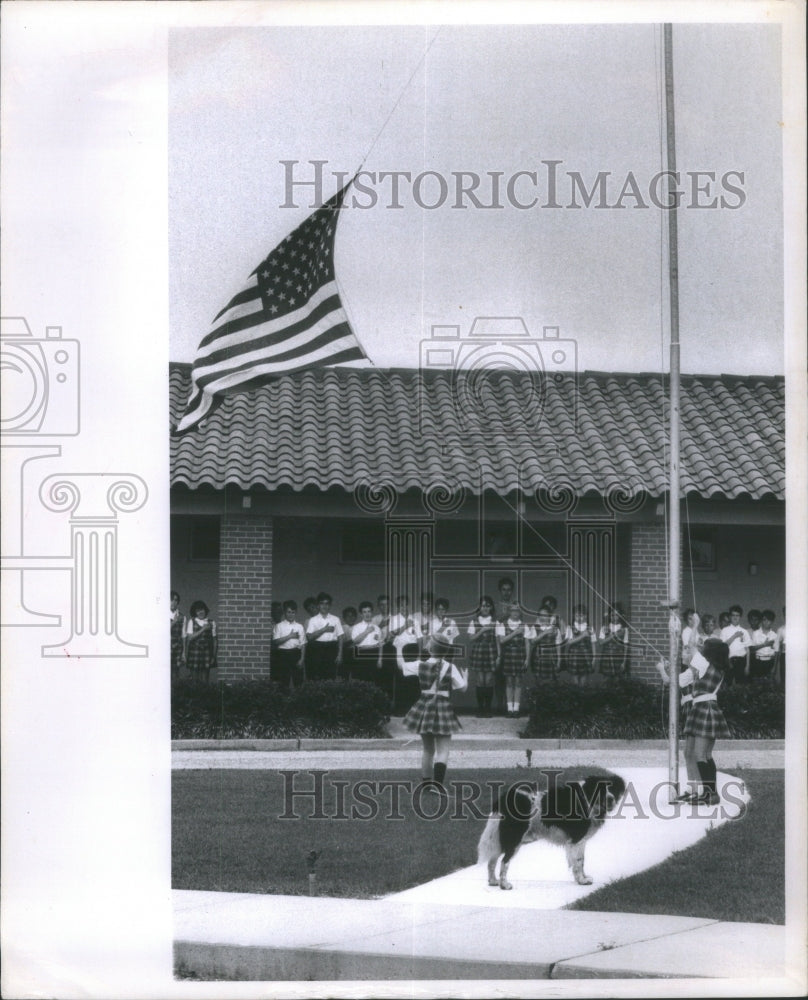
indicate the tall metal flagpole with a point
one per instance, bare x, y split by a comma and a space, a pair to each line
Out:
674, 560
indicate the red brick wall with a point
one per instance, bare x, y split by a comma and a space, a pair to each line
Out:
245, 594
649, 589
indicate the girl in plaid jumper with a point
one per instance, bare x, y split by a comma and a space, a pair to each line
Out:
705, 721
483, 654
177, 636
579, 652
201, 643
545, 649
613, 644
432, 716
513, 637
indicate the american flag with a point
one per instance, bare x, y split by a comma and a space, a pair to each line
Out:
288, 317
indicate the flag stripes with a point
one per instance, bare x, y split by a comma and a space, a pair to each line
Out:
247, 331
250, 294
314, 346
327, 359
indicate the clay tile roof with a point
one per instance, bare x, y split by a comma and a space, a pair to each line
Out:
591, 433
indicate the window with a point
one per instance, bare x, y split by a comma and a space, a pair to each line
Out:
204, 538
702, 548
544, 538
362, 543
456, 538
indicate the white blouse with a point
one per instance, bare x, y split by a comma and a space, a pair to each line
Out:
373, 638
292, 633
529, 631
319, 621
481, 620
189, 628
696, 669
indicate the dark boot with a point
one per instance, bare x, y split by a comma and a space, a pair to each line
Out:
489, 701
712, 785
439, 775
687, 795
709, 796
482, 701
500, 694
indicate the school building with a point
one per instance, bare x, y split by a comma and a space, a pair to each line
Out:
361, 482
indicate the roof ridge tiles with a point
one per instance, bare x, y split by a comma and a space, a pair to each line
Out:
595, 428
184, 368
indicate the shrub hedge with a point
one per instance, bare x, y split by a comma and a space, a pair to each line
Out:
260, 709
633, 709
755, 711
623, 709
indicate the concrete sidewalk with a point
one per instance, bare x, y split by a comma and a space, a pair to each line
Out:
459, 928
280, 938
644, 831
464, 756
482, 743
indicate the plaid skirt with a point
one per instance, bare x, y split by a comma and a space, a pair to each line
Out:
176, 645
705, 719
612, 656
432, 714
513, 657
483, 656
200, 653
545, 658
577, 659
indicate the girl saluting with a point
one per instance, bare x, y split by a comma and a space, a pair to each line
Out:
432, 716
705, 721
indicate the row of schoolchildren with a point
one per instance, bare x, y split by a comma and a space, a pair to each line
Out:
381, 645
754, 653
384, 646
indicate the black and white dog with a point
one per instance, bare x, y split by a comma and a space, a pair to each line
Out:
568, 814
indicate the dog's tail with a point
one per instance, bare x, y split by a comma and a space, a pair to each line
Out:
488, 846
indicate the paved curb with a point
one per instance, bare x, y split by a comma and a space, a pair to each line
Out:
476, 742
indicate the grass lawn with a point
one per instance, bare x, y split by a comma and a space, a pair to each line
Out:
736, 872
228, 836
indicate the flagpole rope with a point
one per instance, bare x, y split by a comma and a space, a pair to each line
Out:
423, 214
403, 91
662, 243
690, 554
664, 418
349, 313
